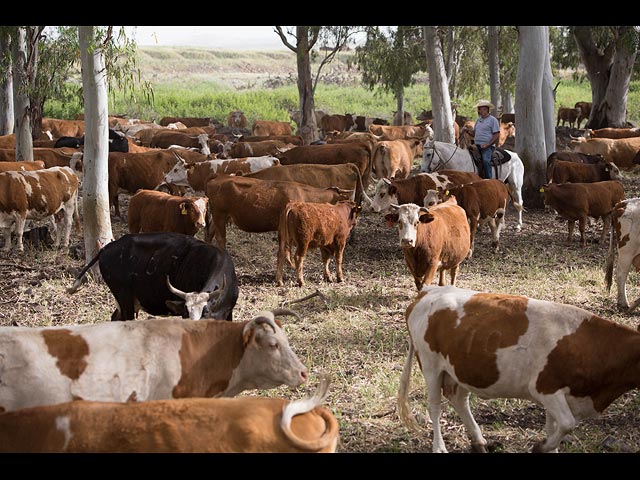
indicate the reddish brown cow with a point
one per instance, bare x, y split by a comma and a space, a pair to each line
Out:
336, 122
432, 239
52, 157
577, 201
167, 138
315, 225
612, 133
8, 141
345, 176
255, 205
236, 119
567, 114
189, 121
620, 151
585, 112
186, 425
358, 153
484, 201
63, 128
26, 166
295, 139
561, 171
394, 158
152, 211
270, 127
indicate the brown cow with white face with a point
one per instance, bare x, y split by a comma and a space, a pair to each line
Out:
432, 239
38, 195
188, 425
153, 211
508, 346
160, 358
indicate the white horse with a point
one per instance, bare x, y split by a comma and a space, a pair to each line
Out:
441, 155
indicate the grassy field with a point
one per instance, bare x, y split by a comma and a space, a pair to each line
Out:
203, 82
357, 331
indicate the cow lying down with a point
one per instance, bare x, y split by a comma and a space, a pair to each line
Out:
191, 425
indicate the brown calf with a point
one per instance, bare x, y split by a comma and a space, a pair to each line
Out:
153, 211
577, 201
315, 225
561, 171
394, 158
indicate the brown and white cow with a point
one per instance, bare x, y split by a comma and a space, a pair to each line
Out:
255, 205
196, 175
38, 195
52, 157
189, 121
508, 346
567, 115
624, 248
394, 158
577, 201
432, 239
236, 119
561, 171
188, 425
414, 189
294, 139
153, 211
392, 132
321, 226
484, 201
25, 166
167, 138
159, 358
271, 127
255, 149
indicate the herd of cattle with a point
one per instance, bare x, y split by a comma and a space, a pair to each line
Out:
191, 176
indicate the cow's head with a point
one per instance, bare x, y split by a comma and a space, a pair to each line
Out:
179, 174
431, 198
193, 303
268, 360
408, 217
386, 193
613, 170
193, 211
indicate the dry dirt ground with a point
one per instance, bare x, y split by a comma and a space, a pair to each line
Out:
357, 332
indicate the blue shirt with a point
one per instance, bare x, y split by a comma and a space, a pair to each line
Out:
484, 129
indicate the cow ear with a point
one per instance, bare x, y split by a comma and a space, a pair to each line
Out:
425, 217
248, 335
392, 189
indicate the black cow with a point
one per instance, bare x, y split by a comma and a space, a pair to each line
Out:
360, 123
152, 271
117, 142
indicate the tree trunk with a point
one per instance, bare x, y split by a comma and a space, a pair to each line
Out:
494, 74
609, 70
548, 101
308, 127
398, 117
21, 104
507, 102
530, 144
95, 196
438, 86
6, 91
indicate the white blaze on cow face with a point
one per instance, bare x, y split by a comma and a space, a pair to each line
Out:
431, 198
178, 175
201, 207
614, 171
268, 360
409, 217
382, 199
203, 138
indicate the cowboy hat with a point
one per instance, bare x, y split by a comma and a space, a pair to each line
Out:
485, 103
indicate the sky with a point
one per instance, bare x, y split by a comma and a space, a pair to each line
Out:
226, 37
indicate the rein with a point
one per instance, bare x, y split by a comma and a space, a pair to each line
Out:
441, 163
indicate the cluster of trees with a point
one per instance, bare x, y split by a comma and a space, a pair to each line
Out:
38, 63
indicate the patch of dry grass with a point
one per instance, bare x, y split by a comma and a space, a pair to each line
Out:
358, 332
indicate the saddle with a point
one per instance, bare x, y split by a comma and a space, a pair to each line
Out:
499, 156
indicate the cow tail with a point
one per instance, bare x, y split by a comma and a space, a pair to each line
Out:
284, 247
329, 438
550, 169
608, 276
80, 279
359, 187
404, 412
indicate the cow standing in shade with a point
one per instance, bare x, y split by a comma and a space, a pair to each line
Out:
152, 272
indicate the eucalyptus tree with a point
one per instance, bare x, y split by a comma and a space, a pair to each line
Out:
6, 84
389, 60
608, 54
534, 109
438, 86
301, 40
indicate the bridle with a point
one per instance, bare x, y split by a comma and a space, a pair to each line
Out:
441, 162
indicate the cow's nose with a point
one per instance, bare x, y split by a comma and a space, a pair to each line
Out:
304, 375
406, 242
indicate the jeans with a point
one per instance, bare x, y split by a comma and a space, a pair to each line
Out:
486, 153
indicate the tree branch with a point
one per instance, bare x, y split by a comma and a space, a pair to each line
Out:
283, 37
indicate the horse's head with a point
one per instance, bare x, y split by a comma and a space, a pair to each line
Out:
428, 152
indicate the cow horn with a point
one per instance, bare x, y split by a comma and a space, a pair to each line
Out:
178, 157
285, 311
386, 180
174, 290
218, 291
